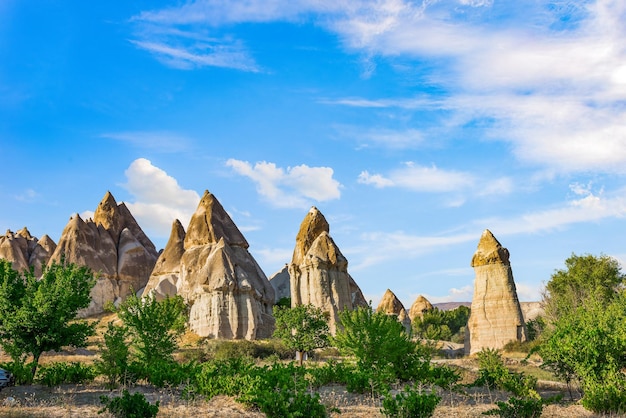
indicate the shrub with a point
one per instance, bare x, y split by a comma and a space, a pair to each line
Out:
518, 408
494, 374
58, 373
113, 363
409, 403
607, 396
129, 406
20, 370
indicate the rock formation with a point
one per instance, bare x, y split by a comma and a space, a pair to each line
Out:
319, 272
496, 317
419, 307
280, 281
391, 305
25, 251
228, 294
114, 247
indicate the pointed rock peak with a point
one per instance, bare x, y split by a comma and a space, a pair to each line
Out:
178, 232
8, 233
420, 306
390, 304
24, 232
313, 225
324, 248
107, 215
490, 251
45, 241
210, 223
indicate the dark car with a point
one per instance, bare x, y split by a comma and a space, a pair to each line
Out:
6, 378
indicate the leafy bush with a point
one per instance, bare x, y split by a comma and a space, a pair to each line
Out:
409, 403
607, 396
165, 373
114, 355
20, 370
302, 328
518, 408
58, 373
129, 406
494, 374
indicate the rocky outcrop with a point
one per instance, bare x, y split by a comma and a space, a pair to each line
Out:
228, 294
280, 281
113, 246
319, 272
391, 305
419, 307
25, 251
496, 317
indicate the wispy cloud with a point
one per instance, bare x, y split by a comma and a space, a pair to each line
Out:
291, 187
425, 179
585, 207
166, 142
158, 198
28, 195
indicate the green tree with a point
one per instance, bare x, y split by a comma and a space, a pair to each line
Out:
302, 328
436, 324
114, 356
38, 315
378, 342
585, 278
154, 326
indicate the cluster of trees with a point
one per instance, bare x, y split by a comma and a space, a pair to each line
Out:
436, 324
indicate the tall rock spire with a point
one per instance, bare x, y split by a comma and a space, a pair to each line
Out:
319, 271
496, 317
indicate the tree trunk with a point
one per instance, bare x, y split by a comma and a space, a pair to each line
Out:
33, 369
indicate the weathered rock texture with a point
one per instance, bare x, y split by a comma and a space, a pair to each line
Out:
319, 272
495, 317
25, 251
419, 307
280, 281
114, 247
391, 305
228, 294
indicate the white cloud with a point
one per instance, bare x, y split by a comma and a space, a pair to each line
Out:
382, 137
291, 187
420, 178
28, 195
158, 198
463, 294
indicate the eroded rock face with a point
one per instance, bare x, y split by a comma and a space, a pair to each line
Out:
391, 305
113, 246
495, 317
280, 281
228, 294
419, 307
319, 272
25, 251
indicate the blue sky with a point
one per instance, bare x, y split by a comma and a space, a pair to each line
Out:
412, 126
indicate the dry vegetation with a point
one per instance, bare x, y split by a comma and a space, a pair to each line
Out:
84, 400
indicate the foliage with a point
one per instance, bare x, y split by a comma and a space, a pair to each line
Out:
494, 374
21, 371
436, 324
379, 343
284, 302
59, 373
154, 326
114, 355
588, 345
129, 406
303, 327
585, 278
225, 349
38, 315
518, 408
409, 403
534, 328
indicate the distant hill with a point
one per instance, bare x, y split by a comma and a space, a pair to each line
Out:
530, 310
448, 306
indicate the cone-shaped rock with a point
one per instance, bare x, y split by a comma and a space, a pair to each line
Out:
210, 223
319, 272
113, 246
166, 271
228, 294
25, 252
419, 307
391, 305
495, 317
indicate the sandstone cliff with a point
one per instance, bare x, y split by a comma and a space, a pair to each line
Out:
113, 246
419, 307
25, 251
496, 317
391, 305
228, 294
319, 272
